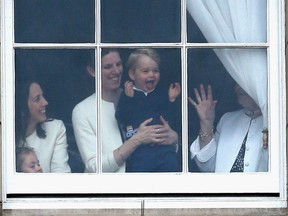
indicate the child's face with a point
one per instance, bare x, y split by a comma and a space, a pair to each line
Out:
146, 74
31, 164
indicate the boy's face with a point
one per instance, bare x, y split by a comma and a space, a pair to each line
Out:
31, 164
146, 74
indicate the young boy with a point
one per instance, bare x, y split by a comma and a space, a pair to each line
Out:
27, 161
141, 100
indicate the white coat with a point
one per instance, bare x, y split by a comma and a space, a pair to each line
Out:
219, 155
84, 125
52, 150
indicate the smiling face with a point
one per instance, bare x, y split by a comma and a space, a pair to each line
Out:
244, 99
30, 163
145, 74
36, 104
111, 71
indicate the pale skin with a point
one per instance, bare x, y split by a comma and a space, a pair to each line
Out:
173, 92
145, 76
160, 134
205, 108
37, 107
30, 163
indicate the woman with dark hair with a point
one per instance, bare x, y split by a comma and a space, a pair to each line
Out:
115, 151
45, 135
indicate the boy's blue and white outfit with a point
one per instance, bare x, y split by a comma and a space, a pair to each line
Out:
131, 112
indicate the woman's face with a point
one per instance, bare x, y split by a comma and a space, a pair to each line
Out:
36, 104
31, 164
111, 71
244, 99
146, 74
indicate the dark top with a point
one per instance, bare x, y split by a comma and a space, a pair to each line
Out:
132, 111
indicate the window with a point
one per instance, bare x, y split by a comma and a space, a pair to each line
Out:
210, 42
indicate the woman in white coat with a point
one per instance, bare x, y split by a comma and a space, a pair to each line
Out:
46, 136
114, 150
237, 144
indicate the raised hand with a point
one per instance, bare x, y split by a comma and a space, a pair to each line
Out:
129, 89
205, 107
174, 91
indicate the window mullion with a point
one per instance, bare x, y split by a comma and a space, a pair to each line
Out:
98, 85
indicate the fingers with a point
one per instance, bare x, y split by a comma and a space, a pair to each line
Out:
203, 93
146, 122
209, 93
192, 101
127, 83
202, 96
163, 121
197, 95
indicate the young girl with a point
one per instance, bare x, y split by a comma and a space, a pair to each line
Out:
143, 99
27, 161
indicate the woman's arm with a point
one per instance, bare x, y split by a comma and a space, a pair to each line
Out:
206, 111
85, 138
59, 161
161, 134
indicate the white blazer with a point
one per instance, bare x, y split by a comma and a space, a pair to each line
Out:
220, 154
52, 150
84, 125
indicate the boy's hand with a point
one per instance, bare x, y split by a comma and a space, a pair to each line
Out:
174, 91
129, 89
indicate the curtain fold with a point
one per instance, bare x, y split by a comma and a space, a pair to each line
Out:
237, 21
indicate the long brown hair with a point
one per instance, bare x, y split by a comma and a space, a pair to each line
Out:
23, 114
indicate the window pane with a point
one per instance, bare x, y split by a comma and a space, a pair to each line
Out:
246, 113
54, 21
140, 21
61, 75
134, 107
227, 22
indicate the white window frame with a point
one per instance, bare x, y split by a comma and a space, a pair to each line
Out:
270, 186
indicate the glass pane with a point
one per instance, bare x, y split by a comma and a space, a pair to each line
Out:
140, 21
59, 81
54, 21
226, 22
217, 138
143, 98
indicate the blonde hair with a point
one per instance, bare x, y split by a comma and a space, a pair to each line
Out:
21, 152
152, 53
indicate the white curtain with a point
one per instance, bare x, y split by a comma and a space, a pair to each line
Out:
237, 21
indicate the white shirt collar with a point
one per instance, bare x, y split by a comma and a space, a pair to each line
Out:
146, 93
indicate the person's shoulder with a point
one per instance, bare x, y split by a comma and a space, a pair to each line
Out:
53, 124
53, 121
85, 104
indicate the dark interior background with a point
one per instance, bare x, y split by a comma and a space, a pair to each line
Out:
62, 74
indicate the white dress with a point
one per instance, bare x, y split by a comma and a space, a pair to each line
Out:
84, 124
220, 154
52, 150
